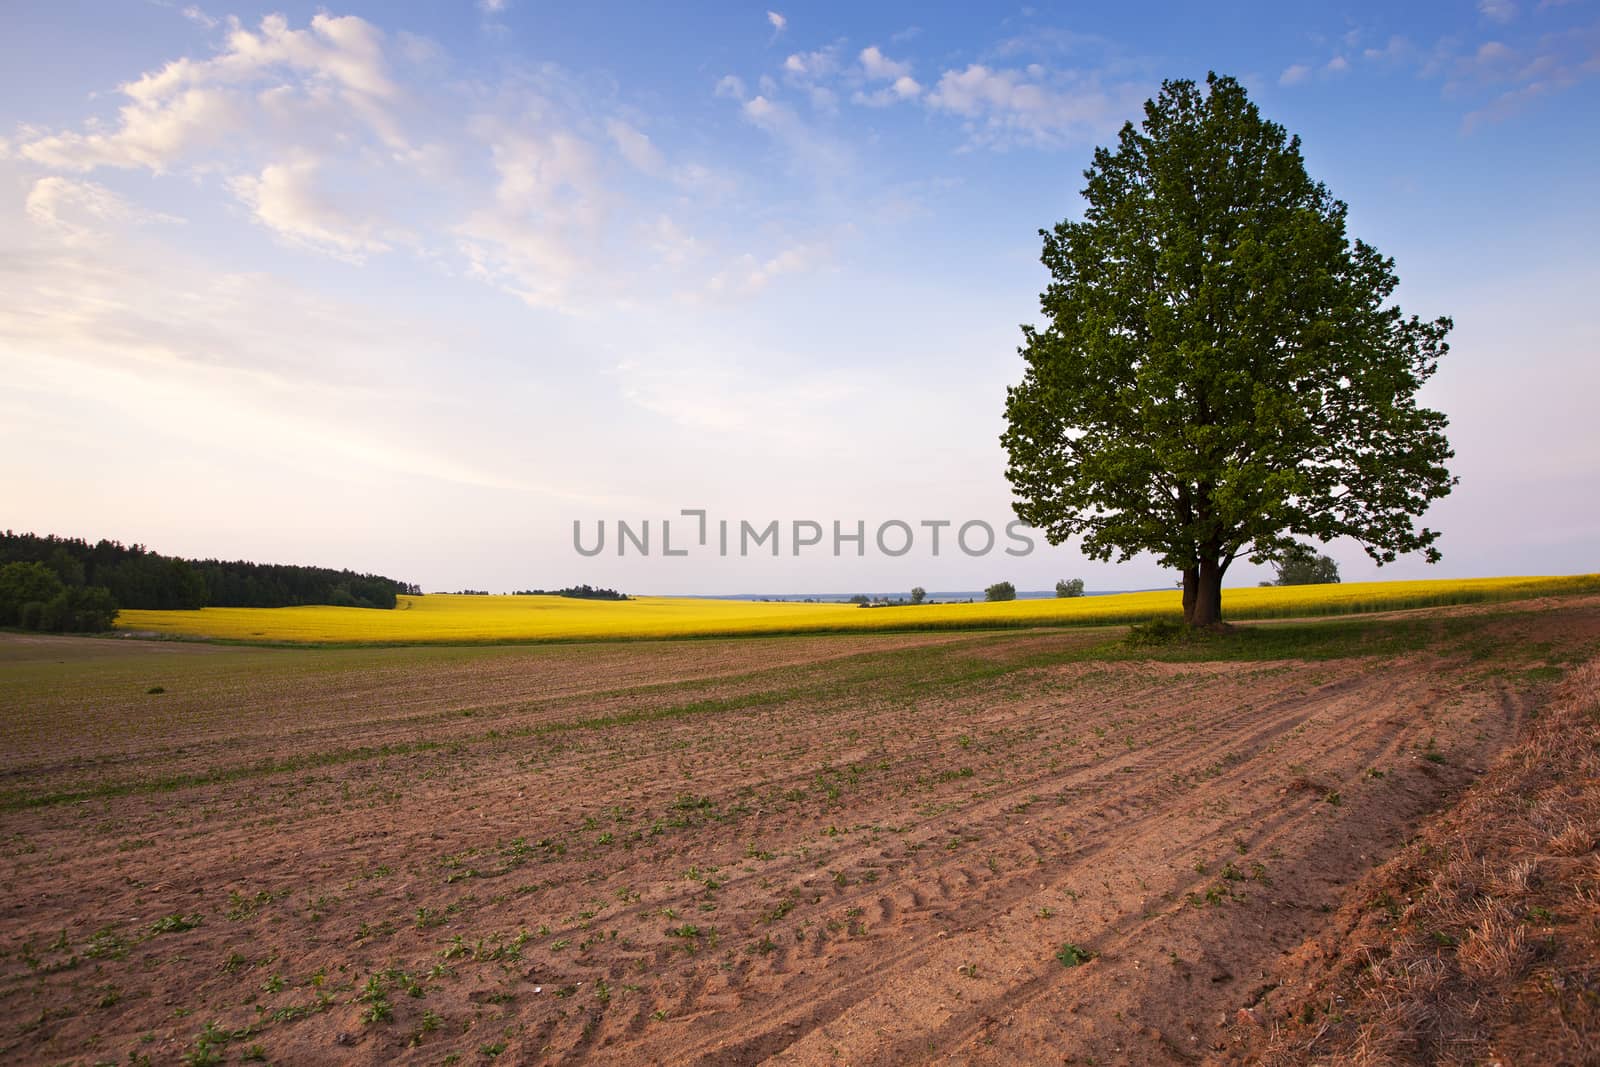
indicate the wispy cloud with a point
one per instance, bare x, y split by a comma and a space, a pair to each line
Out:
81, 211
317, 133
1031, 106
286, 198
636, 147
1517, 73
1497, 10
192, 105
999, 106
194, 14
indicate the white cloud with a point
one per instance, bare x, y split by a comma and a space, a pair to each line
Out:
286, 198
880, 67
1029, 106
492, 7
823, 157
344, 51
779, 23
1294, 75
1337, 65
810, 66
761, 111
81, 212
195, 15
904, 88
1497, 10
636, 147
1522, 74
189, 104
284, 121
151, 136
876, 66
542, 232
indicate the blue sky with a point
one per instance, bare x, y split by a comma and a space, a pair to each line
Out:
411, 288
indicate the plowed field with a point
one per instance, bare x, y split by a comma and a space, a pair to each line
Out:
1036, 847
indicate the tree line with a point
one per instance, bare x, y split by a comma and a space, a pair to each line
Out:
576, 592
67, 583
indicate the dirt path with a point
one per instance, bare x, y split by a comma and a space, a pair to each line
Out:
828, 851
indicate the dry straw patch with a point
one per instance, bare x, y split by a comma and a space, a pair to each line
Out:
1480, 942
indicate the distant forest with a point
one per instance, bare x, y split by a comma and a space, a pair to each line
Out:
134, 577
577, 592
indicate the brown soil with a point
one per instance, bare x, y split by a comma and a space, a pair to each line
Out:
978, 848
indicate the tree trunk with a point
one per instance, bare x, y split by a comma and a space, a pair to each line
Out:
1191, 586
1208, 595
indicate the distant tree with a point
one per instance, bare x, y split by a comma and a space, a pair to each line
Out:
1000, 591
1301, 565
1220, 367
79, 609
33, 596
22, 584
918, 594
1069, 587
860, 600
576, 592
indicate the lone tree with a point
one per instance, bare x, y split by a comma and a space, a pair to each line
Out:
1069, 587
918, 594
1221, 368
1301, 565
1000, 591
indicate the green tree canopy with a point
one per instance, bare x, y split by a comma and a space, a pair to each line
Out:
25, 583
1000, 591
1302, 565
1220, 367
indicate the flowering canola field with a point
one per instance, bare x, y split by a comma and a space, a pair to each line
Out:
442, 618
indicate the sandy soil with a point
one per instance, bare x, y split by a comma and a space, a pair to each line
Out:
972, 848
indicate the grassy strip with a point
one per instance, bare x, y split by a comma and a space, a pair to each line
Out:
905, 674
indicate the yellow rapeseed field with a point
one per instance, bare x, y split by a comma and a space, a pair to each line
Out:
440, 618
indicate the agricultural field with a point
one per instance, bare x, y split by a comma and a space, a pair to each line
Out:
1023, 846
445, 618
